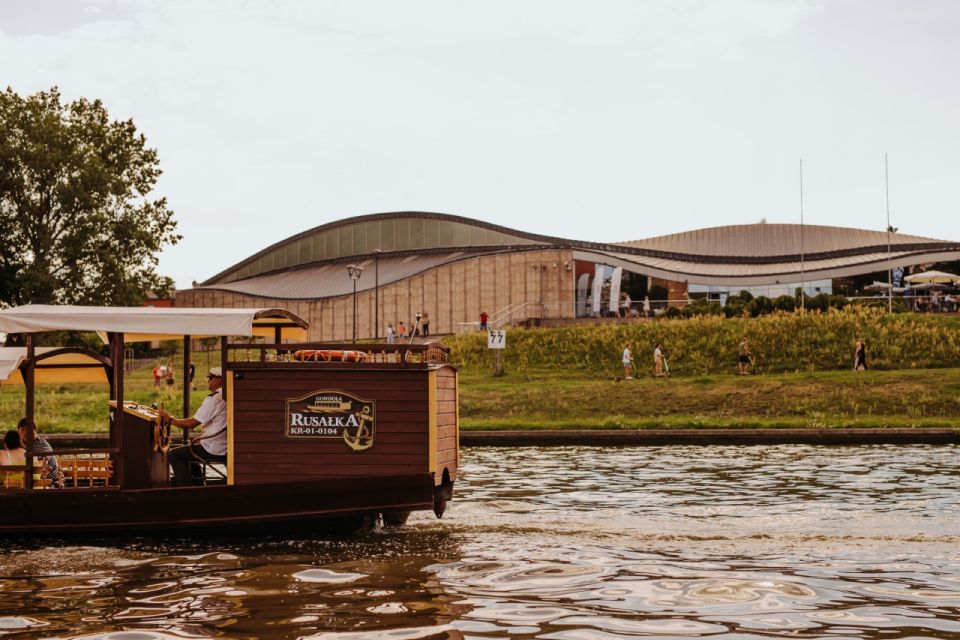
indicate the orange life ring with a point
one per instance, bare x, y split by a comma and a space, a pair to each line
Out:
330, 355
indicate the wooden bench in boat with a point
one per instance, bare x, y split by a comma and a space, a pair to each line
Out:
80, 468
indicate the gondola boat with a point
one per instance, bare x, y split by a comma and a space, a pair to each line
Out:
313, 442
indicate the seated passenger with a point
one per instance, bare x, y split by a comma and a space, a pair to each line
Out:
50, 467
12, 455
211, 444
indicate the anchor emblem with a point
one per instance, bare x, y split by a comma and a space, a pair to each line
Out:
362, 439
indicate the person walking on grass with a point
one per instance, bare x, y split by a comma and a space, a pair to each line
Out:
627, 362
744, 357
659, 362
860, 355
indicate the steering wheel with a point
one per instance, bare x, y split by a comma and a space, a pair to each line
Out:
161, 434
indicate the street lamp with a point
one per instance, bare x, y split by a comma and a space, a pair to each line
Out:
376, 293
355, 273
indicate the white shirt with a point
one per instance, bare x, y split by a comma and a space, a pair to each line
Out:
212, 414
626, 356
657, 354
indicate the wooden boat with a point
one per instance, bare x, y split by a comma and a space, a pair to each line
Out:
311, 442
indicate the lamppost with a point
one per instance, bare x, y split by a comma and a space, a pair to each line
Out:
376, 293
355, 273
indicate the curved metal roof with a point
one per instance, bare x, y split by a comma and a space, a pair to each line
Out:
310, 264
385, 232
775, 241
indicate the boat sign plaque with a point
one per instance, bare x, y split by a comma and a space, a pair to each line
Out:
335, 415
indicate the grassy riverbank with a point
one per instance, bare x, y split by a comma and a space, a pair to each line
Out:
564, 379
563, 399
559, 399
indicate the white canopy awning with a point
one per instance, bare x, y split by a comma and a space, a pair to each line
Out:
147, 323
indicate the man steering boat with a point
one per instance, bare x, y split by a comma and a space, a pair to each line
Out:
211, 444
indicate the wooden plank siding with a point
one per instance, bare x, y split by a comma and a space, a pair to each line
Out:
261, 452
447, 435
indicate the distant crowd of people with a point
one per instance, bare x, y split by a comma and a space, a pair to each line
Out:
745, 360
419, 327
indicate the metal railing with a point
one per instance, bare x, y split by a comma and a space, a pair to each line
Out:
517, 312
330, 354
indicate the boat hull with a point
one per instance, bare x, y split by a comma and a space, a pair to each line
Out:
332, 503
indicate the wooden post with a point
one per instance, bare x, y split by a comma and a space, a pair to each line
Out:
116, 427
223, 366
29, 381
186, 376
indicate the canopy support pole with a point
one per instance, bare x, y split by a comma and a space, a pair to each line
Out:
187, 357
29, 380
223, 366
116, 425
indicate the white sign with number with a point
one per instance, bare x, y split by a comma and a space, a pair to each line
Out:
496, 339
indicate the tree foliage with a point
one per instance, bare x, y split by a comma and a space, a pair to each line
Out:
76, 222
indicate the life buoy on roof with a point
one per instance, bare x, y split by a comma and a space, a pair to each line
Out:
330, 355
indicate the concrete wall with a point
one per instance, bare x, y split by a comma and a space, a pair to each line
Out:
452, 294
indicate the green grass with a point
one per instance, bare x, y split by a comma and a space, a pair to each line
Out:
563, 399
569, 398
82, 408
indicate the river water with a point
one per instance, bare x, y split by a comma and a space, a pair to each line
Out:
569, 543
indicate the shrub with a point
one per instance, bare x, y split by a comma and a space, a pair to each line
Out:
706, 344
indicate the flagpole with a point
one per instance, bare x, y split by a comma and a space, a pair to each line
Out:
803, 293
886, 180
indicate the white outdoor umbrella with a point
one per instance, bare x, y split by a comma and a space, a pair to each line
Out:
881, 286
932, 277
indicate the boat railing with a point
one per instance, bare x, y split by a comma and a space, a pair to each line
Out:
388, 356
81, 468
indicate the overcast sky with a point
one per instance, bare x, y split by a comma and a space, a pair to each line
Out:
602, 121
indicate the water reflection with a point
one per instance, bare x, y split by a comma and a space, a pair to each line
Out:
568, 543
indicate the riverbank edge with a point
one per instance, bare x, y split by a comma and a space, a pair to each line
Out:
645, 437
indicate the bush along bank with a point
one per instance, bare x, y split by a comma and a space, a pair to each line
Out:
780, 342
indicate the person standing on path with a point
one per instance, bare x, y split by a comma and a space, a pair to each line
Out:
627, 362
390, 333
658, 369
646, 306
743, 357
425, 323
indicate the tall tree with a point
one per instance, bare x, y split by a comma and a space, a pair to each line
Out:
76, 223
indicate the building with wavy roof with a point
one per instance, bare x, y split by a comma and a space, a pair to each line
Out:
453, 268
